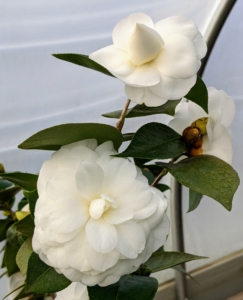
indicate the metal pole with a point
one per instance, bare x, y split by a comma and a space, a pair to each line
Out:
210, 34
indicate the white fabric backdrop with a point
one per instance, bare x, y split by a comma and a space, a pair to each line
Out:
38, 91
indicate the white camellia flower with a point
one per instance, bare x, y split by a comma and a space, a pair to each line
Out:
214, 126
75, 291
96, 217
16, 280
157, 62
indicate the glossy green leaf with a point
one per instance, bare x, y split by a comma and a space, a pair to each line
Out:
10, 259
154, 141
82, 60
162, 187
42, 278
26, 226
54, 137
199, 94
6, 197
4, 184
14, 237
142, 110
22, 203
161, 260
129, 287
207, 175
194, 200
32, 198
23, 255
24, 180
150, 176
4, 225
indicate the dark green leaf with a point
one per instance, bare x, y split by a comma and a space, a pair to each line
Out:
199, 94
139, 162
154, 141
4, 184
24, 180
18, 288
149, 176
6, 197
10, 259
3, 274
129, 287
161, 260
162, 187
25, 226
54, 137
207, 175
4, 225
23, 255
143, 110
127, 137
194, 200
14, 237
42, 278
32, 198
82, 60
22, 203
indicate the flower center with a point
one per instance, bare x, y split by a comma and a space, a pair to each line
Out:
144, 45
101, 205
201, 124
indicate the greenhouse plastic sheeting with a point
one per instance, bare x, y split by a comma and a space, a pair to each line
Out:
38, 91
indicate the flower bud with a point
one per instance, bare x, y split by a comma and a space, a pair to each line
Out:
201, 124
2, 170
195, 151
191, 135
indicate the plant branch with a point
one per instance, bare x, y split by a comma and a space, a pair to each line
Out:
120, 122
161, 174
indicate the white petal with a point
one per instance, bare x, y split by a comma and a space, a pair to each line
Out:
124, 29
117, 216
160, 233
156, 218
83, 153
110, 279
144, 95
89, 180
147, 210
178, 124
131, 239
100, 261
68, 215
176, 25
144, 44
90, 143
200, 45
101, 235
106, 146
57, 257
72, 274
178, 59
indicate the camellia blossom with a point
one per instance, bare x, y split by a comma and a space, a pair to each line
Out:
157, 62
96, 217
214, 126
75, 291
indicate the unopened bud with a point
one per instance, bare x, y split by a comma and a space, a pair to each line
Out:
195, 151
201, 124
2, 170
191, 135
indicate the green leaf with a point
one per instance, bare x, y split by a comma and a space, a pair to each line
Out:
162, 187
142, 110
127, 137
129, 287
32, 198
22, 203
23, 255
182, 270
199, 94
54, 138
207, 175
10, 259
6, 197
82, 60
14, 237
4, 184
4, 225
161, 260
24, 180
154, 141
194, 200
26, 226
139, 162
149, 176
42, 278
